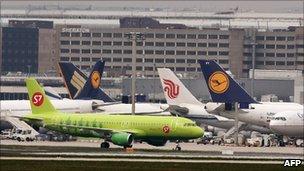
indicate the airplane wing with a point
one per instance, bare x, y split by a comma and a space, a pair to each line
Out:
217, 108
103, 132
184, 112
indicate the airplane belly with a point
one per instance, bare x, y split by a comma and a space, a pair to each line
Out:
289, 130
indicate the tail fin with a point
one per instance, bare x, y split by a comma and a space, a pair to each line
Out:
74, 79
82, 87
174, 90
221, 86
40, 103
91, 89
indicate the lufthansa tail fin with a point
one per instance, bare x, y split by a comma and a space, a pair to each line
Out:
40, 103
91, 89
174, 90
82, 87
221, 86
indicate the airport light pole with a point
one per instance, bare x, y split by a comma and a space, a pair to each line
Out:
253, 68
134, 37
29, 70
236, 123
154, 70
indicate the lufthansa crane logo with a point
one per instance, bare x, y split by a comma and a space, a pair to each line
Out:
218, 82
37, 99
171, 89
95, 79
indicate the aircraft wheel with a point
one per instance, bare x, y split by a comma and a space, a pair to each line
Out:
178, 148
104, 145
128, 146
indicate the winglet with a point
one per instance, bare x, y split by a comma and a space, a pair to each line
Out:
221, 86
40, 103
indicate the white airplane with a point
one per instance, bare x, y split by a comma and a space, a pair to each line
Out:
288, 123
225, 91
182, 102
18, 108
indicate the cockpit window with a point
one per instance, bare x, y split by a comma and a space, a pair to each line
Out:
300, 115
280, 118
189, 124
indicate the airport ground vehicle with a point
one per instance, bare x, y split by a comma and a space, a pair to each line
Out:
22, 135
6, 134
206, 139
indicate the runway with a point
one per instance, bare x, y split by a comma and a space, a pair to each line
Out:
196, 154
191, 150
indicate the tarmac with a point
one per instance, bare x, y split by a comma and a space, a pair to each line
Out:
86, 155
90, 149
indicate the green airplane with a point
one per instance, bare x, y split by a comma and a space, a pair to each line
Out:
121, 130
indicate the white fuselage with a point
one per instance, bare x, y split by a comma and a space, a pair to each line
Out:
200, 115
261, 114
288, 123
140, 108
18, 108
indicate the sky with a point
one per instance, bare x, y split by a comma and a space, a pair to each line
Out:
207, 6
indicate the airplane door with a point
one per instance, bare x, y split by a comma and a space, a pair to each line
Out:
174, 123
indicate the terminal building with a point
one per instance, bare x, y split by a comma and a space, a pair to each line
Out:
28, 47
179, 47
34, 45
82, 39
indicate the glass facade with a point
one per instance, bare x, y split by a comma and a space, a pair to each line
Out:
20, 49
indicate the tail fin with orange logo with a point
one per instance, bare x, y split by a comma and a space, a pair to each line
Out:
40, 103
174, 90
222, 87
80, 86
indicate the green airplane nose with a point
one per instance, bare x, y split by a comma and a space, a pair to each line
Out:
197, 132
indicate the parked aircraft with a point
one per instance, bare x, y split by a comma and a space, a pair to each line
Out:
225, 91
182, 101
288, 123
82, 87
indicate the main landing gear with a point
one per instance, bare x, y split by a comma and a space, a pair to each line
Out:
127, 146
104, 145
177, 147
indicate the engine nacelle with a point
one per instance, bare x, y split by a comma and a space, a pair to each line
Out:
122, 139
156, 142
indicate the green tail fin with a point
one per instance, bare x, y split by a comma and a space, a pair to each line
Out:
40, 103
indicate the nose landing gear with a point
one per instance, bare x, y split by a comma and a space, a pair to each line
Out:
177, 147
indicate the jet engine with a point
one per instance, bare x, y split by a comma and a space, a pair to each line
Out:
122, 139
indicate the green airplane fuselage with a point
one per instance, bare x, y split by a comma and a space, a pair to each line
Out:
119, 129
143, 127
